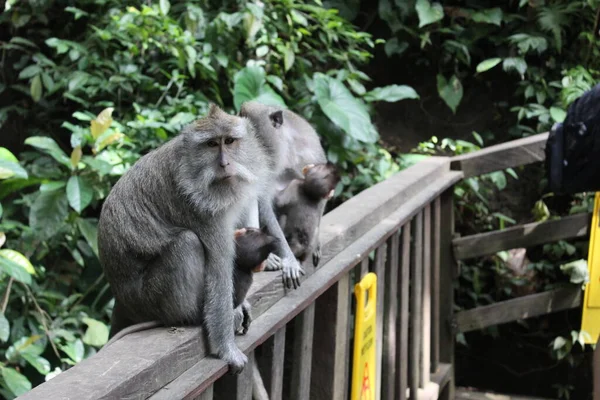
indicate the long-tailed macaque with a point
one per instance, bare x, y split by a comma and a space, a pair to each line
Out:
165, 230
299, 208
299, 145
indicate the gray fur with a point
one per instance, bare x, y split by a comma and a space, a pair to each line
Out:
298, 145
165, 229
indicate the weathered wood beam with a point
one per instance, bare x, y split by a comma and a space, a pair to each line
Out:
520, 308
501, 156
527, 235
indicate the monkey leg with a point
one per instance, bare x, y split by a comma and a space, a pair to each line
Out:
174, 281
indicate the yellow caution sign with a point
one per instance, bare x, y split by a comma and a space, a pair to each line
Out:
590, 320
363, 367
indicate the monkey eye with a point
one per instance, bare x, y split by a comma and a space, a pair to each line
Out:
229, 140
212, 143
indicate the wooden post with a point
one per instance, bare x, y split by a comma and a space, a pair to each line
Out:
303, 354
402, 322
271, 364
390, 343
426, 300
331, 361
447, 276
236, 387
416, 310
379, 270
435, 287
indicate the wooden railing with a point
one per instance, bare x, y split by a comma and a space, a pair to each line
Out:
513, 154
299, 344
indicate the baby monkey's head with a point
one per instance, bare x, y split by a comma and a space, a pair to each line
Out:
252, 247
320, 180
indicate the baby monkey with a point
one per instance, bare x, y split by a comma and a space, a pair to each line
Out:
301, 204
252, 247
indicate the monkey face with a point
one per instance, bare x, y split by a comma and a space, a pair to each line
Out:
222, 151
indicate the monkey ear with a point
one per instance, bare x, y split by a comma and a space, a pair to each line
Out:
330, 194
307, 168
276, 118
239, 232
214, 110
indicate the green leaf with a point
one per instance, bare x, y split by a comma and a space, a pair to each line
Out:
4, 328
49, 146
39, 363
450, 91
96, 334
250, 84
30, 71
288, 59
488, 64
262, 51
515, 64
577, 271
19, 259
558, 114
14, 270
49, 186
36, 88
16, 383
428, 13
48, 213
75, 350
489, 16
343, 109
2, 212
79, 193
89, 230
164, 6
9, 169
394, 46
391, 93
6, 155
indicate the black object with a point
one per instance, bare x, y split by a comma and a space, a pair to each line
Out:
573, 147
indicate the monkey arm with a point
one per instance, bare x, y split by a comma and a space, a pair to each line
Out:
218, 293
290, 266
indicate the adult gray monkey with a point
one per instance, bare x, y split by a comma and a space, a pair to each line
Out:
165, 231
300, 146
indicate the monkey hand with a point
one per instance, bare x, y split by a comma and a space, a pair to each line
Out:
290, 266
316, 256
234, 358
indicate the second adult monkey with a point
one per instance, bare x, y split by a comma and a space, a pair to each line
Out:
299, 146
165, 231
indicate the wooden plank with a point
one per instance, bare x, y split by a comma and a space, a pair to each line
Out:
303, 354
207, 394
402, 327
236, 387
524, 307
447, 270
331, 342
527, 235
271, 364
443, 375
468, 394
416, 310
501, 156
426, 299
435, 288
379, 270
388, 382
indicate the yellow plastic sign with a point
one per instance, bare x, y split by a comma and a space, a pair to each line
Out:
590, 320
363, 368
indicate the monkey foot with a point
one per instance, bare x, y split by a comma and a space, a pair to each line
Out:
291, 272
242, 318
273, 263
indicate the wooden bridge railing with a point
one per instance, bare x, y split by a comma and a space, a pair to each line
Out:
299, 344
